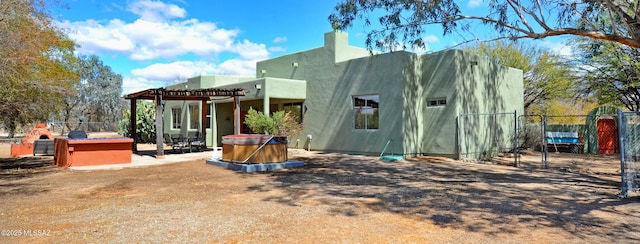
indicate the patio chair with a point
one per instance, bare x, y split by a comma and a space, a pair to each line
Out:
77, 134
177, 142
196, 141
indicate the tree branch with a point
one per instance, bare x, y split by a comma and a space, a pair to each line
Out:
518, 9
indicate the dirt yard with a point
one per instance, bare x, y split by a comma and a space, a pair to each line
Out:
333, 198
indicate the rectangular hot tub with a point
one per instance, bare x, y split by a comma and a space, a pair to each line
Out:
92, 151
238, 148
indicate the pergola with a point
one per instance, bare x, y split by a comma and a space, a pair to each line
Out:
161, 94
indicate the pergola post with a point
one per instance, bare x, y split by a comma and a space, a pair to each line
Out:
236, 115
132, 125
203, 121
159, 127
214, 125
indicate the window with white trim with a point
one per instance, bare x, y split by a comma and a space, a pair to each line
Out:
194, 116
366, 112
176, 118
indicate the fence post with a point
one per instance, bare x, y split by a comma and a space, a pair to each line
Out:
515, 138
545, 162
621, 138
459, 138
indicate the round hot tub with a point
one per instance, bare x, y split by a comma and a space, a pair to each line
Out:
254, 148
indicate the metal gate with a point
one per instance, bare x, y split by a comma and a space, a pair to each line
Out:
629, 129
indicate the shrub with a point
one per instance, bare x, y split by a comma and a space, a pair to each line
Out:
145, 122
280, 123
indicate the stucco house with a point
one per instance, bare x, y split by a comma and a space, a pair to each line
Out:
351, 101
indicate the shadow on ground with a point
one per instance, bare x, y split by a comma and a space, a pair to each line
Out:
16, 174
480, 198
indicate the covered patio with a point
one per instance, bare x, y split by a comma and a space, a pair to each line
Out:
161, 94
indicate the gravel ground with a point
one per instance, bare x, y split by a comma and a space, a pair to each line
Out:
334, 198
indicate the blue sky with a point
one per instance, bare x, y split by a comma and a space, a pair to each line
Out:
157, 43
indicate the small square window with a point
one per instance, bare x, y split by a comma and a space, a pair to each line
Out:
435, 102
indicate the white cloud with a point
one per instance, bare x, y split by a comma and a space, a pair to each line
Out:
163, 74
174, 72
252, 51
280, 39
238, 67
131, 84
474, 3
156, 11
94, 37
431, 39
560, 48
146, 40
157, 37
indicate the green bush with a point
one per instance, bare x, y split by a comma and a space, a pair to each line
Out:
280, 123
145, 122
259, 123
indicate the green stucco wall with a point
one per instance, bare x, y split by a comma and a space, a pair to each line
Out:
469, 84
331, 84
487, 87
327, 78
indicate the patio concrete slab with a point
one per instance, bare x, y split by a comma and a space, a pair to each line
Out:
248, 168
138, 161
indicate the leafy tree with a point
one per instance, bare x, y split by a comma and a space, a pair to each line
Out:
547, 78
145, 122
97, 96
36, 60
407, 20
611, 73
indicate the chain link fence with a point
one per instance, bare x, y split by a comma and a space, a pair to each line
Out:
486, 136
629, 128
61, 128
604, 142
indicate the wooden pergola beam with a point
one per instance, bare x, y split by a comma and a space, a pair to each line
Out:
185, 94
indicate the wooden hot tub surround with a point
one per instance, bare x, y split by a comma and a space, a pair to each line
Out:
239, 148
